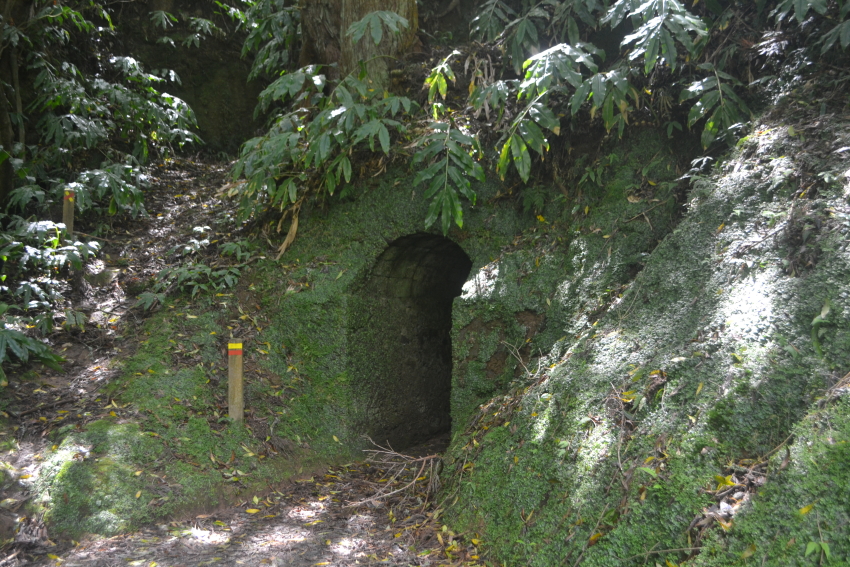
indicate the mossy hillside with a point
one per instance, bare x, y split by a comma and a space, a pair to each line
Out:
164, 446
802, 505
556, 278
707, 360
7, 440
85, 493
173, 408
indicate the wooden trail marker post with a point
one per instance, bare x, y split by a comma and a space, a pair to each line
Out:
235, 402
68, 212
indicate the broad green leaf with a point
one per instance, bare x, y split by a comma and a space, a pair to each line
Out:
461, 138
598, 89
545, 117
580, 96
437, 181
324, 147
455, 207
477, 173
330, 182
608, 112
377, 30
384, 137
572, 30
433, 212
346, 169
651, 53
703, 106
522, 159
532, 135
669, 49
709, 134
428, 172
504, 156
446, 212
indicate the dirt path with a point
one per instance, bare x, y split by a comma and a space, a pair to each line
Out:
308, 522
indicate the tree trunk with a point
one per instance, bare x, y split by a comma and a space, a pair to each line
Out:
7, 136
7, 141
320, 27
325, 23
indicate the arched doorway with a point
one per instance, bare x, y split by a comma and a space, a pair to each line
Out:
400, 339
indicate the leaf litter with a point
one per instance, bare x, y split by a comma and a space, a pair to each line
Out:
309, 522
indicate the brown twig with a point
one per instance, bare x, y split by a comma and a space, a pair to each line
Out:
598, 521
77, 232
774, 450
646, 211
648, 553
746, 247
43, 407
397, 463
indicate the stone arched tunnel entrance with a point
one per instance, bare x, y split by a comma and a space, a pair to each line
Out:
400, 339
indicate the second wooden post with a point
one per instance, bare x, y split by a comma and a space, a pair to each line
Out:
235, 402
68, 213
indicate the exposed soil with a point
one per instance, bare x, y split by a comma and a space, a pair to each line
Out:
329, 518
306, 523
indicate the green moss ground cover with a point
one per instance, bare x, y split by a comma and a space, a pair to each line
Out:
164, 446
709, 365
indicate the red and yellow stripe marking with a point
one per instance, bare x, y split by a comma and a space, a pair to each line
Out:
69, 195
234, 349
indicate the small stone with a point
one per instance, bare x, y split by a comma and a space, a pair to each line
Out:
738, 495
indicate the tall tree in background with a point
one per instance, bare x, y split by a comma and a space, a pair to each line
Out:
12, 11
325, 40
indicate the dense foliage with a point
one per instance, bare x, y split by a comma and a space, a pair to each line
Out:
539, 69
86, 120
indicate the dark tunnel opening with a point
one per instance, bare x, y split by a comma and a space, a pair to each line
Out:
400, 339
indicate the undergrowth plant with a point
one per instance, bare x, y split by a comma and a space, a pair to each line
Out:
676, 58
273, 34
315, 131
193, 274
308, 145
680, 66
35, 257
87, 122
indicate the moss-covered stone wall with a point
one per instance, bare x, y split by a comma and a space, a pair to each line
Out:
399, 331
